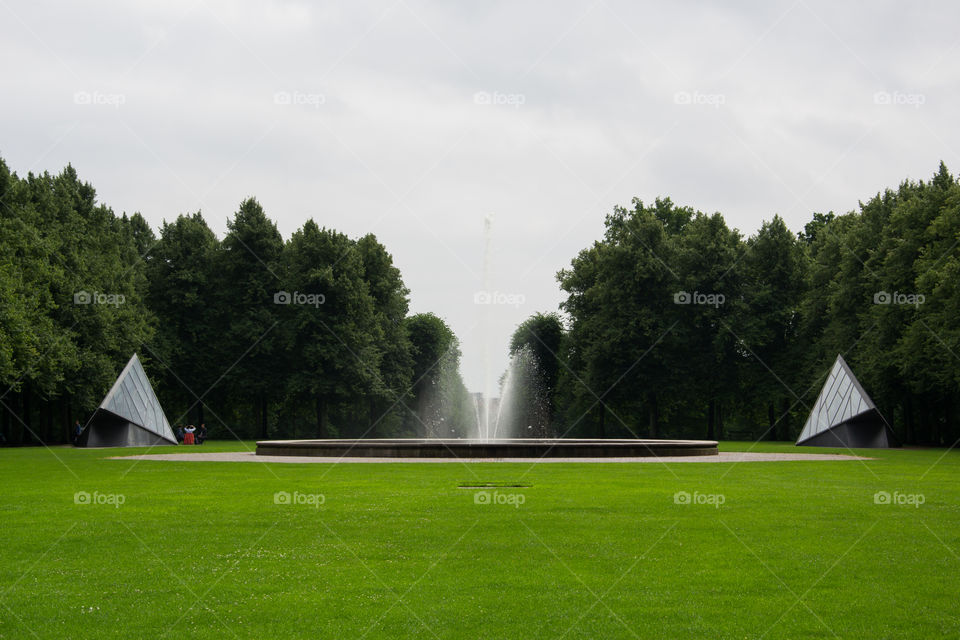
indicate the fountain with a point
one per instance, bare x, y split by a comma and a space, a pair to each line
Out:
524, 407
514, 425
483, 428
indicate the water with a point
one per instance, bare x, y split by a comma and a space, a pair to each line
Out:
521, 410
446, 409
483, 427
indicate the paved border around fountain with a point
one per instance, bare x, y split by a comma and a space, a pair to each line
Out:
533, 448
250, 456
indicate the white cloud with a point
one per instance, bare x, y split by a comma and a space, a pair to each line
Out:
792, 125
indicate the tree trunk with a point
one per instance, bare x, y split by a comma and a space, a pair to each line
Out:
44, 422
945, 435
372, 418
47, 422
925, 423
200, 419
7, 424
711, 415
321, 417
25, 433
263, 417
422, 404
13, 418
653, 415
951, 429
910, 436
772, 422
785, 420
601, 431
66, 416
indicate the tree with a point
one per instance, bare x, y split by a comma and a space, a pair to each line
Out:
34, 353
441, 405
227, 324
335, 335
620, 302
182, 293
707, 256
247, 279
391, 303
774, 270
541, 335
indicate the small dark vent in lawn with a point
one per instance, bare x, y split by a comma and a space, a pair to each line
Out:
493, 485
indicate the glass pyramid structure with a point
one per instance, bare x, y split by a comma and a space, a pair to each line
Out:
130, 414
844, 415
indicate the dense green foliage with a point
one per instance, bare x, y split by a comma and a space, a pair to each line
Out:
535, 361
675, 324
201, 549
679, 326
443, 406
73, 300
252, 335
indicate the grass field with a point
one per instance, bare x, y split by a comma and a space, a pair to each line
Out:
203, 550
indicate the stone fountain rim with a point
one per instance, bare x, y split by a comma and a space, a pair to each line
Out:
493, 448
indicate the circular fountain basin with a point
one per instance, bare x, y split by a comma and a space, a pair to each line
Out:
498, 449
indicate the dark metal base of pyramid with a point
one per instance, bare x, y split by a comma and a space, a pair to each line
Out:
863, 434
494, 449
108, 430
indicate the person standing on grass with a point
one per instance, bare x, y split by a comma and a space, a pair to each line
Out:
179, 433
201, 433
188, 434
77, 430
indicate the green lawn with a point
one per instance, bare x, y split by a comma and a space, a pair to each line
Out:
201, 550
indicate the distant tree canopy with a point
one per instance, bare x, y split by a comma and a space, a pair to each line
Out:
678, 326
535, 362
443, 408
253, 335
673, 325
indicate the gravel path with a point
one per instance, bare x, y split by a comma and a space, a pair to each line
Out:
243, 456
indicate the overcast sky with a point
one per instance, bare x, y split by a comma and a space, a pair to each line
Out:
415, 120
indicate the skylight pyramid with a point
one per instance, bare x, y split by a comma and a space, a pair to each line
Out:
844, 415
130, 414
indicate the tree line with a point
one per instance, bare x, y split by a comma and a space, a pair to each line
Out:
254, 335
676, 325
